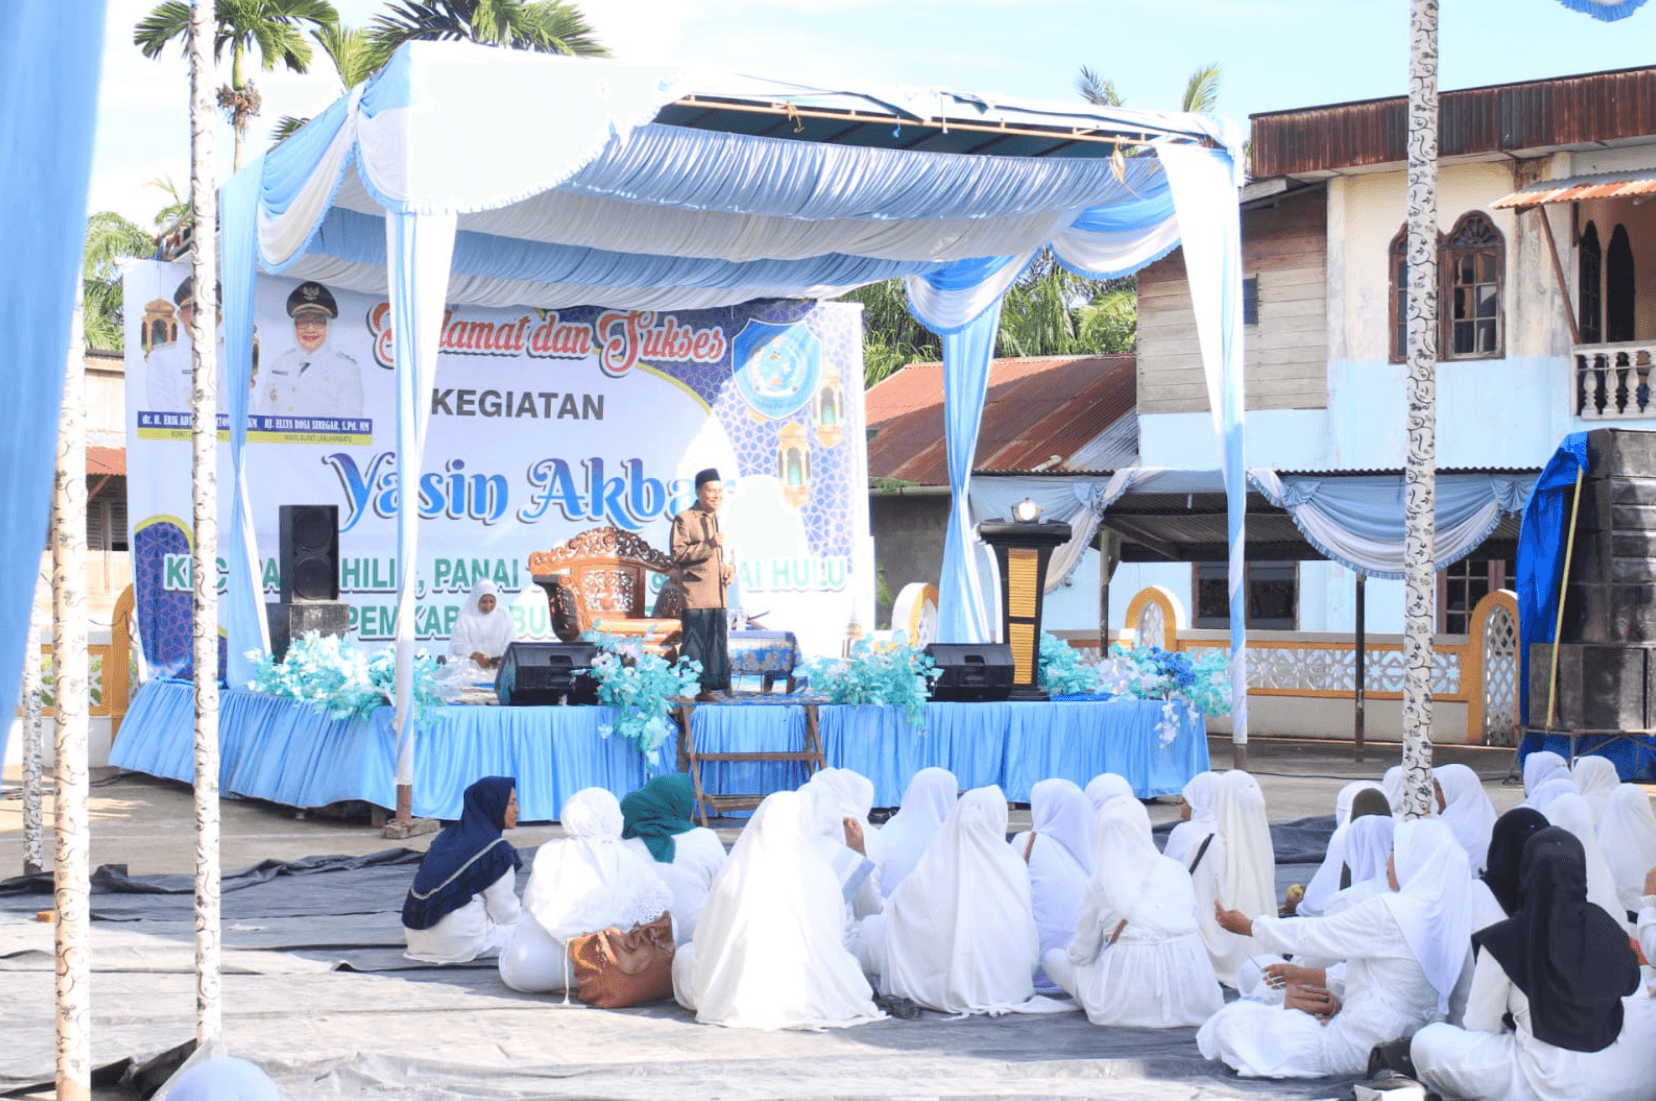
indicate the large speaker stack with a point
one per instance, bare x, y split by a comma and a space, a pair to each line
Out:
1607, 649
309, 560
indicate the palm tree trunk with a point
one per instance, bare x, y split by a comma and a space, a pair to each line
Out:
204, 561
1420, 473
71, 666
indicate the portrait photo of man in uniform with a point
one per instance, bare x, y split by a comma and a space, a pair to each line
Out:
699, 555
313, 378
169, 379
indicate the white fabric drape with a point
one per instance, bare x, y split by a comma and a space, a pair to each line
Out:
959, 932
1627, 838
769, 951
930, 797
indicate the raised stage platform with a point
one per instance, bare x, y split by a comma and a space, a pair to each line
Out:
284, 752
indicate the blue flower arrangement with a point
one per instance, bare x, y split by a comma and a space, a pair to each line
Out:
1201, 684
343, 682
1061, 672
897, 675
642, 688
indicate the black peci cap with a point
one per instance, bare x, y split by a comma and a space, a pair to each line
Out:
311, 296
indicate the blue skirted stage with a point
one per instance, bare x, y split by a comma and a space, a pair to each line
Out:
285, 752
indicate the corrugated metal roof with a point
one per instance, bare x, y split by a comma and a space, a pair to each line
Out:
1609, 185
106, 460
1036, 409
1536, 114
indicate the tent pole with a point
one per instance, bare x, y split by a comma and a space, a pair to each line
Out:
204, 484
1360, 680
71, 863
1420, 474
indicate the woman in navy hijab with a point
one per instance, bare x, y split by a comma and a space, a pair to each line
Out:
463, 903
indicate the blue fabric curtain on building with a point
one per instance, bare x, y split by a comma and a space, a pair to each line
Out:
1541, 541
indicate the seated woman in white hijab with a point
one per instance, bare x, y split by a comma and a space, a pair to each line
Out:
1366, 800
1199, 820
839, 840
930, 796
1239, 865
1059, 851
1366, 848
1595, 778
1466, 810
1404, 950
1546, 777
484, 629
1392, 785
769, 950
1137, 959
958, 935
850, 795
1103, 788
463, 902
1627, 838
1570, 811
1566, 978
587, 881
656, 825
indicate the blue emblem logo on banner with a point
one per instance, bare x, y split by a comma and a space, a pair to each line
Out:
777, 366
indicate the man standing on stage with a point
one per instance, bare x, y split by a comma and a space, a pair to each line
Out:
698, 554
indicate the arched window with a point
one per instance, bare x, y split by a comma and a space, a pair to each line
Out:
1591, 287
1618, 287
1399, 267
1471, 261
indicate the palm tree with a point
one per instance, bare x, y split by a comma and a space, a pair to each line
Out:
1201, 94
355, 57
275, 28
109, 237
547, 26
176, 214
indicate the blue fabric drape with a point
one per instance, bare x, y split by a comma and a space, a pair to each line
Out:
961, 616
243, 608
49, 68
1541, 554
1606, 11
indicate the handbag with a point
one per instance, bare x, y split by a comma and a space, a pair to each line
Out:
614, 969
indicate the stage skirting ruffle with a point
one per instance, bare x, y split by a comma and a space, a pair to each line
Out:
285, 752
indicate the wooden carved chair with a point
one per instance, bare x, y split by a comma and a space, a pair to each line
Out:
599, 581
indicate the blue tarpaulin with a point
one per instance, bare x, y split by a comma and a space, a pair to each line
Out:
1541, 541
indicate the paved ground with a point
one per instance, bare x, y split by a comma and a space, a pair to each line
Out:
148, 825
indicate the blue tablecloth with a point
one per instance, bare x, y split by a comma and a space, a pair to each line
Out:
763, 653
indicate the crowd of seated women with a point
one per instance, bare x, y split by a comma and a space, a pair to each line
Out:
1490, 957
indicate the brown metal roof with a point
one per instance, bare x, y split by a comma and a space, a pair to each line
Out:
1036, 408
1536, 114
106, 460
1610, 185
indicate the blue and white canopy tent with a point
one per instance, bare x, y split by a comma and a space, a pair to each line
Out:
493, 178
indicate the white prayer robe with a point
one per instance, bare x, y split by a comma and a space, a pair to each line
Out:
1485, 1061
1570, 811
1060, 858
481, 927
930, 796
698, 855
1156, 974
1387, 995
1239, 871
476, 633
769, 950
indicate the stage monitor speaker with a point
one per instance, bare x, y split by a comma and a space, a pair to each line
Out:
971, 671
539, 673
289, 621
309, 537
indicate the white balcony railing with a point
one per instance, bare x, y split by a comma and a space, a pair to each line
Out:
1613, 381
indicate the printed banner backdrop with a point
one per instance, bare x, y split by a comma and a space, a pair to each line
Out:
544, 425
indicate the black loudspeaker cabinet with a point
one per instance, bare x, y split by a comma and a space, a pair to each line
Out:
289, 621
971, 671
1599, 687
541, 673
309, 552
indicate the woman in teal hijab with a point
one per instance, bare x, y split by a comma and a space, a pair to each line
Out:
688, 856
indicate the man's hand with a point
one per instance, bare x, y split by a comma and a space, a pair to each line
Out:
727, 574
1650, 882
854, 836
1315, 1000
1280, 975
1233, 921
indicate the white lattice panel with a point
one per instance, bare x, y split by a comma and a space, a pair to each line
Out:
1500, 664
1332, 669
1152, 625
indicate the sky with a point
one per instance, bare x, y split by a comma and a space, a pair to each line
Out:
1275, 54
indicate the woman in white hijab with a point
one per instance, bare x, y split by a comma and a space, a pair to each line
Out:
1404, 952
1392, 785
587, 881
1595, 778
1105, 787
930, 797
1325, 884
1571, 812
1238, 872
1627, 838
1546, 777
1466, 810
839, 839
769, 951
1200, 819
484, 629
1137, 959
1059, 852
958, 935
854, 794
